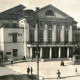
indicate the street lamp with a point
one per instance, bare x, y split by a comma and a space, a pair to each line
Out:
35, 19
37, 43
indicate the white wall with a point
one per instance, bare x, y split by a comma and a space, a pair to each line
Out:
1, 39
8, 38
8, 45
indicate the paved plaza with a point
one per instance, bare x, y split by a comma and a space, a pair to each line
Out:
48, 69
7, 71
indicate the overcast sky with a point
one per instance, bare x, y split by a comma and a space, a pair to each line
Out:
71, 7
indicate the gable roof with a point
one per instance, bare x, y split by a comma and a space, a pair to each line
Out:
58, 10
14, 9
12, 13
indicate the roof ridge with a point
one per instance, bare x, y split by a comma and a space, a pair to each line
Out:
13, 8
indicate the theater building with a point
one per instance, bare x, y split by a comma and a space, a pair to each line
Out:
56, 32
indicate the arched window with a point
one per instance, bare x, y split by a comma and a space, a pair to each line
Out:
49, 13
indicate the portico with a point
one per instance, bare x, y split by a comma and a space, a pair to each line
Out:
51, 51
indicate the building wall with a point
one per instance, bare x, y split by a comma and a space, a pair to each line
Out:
8, 47
76, 37
8, 44
50, 26
9, 22
9, 31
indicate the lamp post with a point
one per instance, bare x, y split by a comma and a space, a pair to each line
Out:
37, 58
37, 43
35, 19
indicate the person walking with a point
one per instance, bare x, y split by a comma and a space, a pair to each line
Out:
28, 70
76, 70
31, 70
58, 74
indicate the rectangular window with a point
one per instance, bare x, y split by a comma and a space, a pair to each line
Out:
66, 36
8, 53
40, 36
14, 37
77, 37
49, 36
74, 38
14, 25
58, 36
32, 36
5, 25
15, 52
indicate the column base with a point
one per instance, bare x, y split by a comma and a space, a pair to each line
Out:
42, 60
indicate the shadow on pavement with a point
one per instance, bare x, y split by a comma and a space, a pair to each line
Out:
70, 76
18, 77
62, 77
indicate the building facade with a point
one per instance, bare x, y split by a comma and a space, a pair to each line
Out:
56, 33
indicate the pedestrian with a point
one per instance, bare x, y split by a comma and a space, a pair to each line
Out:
31, 70
28, 70
76, 70
62, 63
11, 62
58, 74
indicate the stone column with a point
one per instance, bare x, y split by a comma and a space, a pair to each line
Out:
54, 34
50, 54
70, 34
41, 52
28, 52
36, 33
62, 34
59, 52
45, 33
67, 52
31, 51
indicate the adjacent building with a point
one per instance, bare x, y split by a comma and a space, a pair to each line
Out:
21, 29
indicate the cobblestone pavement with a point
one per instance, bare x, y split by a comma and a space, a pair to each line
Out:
48, 69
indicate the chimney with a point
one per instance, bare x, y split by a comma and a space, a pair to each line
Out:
37, 9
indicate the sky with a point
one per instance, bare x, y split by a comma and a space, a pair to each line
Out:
70, 7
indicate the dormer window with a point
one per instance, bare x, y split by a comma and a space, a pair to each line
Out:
49, 13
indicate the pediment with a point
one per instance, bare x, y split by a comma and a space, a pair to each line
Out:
56, 13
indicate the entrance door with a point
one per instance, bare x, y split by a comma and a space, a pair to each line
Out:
55, 52
34, 52
70, 52
45, 52
63, 52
